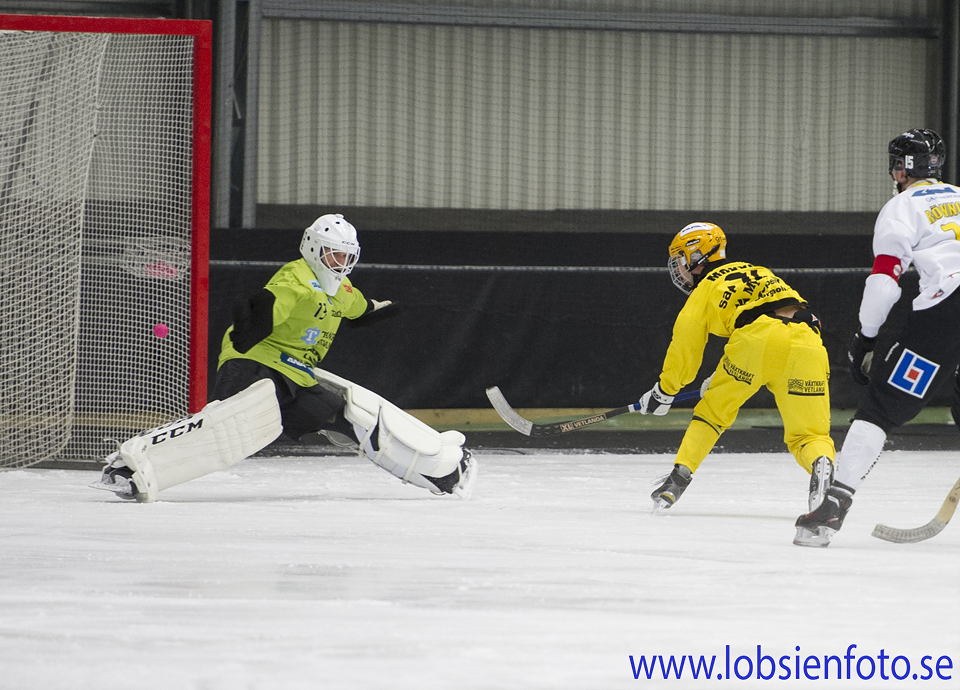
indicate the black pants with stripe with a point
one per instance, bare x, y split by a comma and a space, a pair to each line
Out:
923, 359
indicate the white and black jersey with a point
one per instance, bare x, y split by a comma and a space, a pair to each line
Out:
919, 227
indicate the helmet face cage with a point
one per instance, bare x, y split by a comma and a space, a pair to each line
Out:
340, 260
695, 245
680, 273
330, 248
918, 152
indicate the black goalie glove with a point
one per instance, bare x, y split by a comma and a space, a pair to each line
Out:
860, 355
252, 320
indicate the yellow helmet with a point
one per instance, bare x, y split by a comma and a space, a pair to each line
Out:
695, 245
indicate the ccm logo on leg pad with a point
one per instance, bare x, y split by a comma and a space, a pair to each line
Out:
913, 374
180, 427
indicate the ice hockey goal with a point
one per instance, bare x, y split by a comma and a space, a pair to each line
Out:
104, 218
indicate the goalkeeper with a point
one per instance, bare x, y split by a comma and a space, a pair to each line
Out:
774, 341
268, 377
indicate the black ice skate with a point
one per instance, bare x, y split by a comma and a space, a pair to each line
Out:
818, 527
672, 489
821, 477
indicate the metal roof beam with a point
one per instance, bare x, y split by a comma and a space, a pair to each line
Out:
389, 13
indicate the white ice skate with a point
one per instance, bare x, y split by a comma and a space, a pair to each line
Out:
117, 477
468, 475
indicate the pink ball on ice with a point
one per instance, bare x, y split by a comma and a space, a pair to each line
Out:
161, 330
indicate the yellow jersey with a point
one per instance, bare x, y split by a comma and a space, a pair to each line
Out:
728, 295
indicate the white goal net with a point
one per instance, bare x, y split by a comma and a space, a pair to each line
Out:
102, 315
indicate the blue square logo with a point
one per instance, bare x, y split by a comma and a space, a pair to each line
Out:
913, 374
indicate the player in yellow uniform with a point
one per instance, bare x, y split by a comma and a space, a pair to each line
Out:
774, 341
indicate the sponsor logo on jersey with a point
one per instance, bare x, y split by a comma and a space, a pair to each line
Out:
736, 372
806, 387
295, 363
315, 284
931, 192
913, 373
311, 336
772, 287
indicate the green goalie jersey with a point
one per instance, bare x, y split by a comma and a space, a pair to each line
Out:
305, 321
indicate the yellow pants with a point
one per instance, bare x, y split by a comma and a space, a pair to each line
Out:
787, 358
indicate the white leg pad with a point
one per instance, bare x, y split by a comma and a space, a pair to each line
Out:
220, 435
396, 441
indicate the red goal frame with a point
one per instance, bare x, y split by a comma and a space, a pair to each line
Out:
202, 32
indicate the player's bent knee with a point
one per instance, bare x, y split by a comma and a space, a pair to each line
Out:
220, 435
808, 452
398, 442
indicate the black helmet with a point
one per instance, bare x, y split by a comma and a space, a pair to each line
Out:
918, 152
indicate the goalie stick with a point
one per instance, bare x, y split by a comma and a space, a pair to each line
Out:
528, 428
931, 529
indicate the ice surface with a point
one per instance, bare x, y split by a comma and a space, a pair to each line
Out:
328, 573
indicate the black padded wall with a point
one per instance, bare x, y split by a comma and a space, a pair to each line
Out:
548, 337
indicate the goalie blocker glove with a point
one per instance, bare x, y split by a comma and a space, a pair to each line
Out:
860, 355
655, 401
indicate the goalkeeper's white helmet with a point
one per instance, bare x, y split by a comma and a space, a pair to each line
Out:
331, 250
695, 245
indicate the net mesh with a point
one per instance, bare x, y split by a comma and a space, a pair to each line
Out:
95, 231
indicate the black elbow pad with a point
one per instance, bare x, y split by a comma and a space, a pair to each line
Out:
252, 320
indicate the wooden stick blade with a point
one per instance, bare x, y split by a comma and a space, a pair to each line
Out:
507, 413
931, 529
909, 536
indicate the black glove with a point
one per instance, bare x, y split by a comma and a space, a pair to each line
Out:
860, 354
376, 312
252, 320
